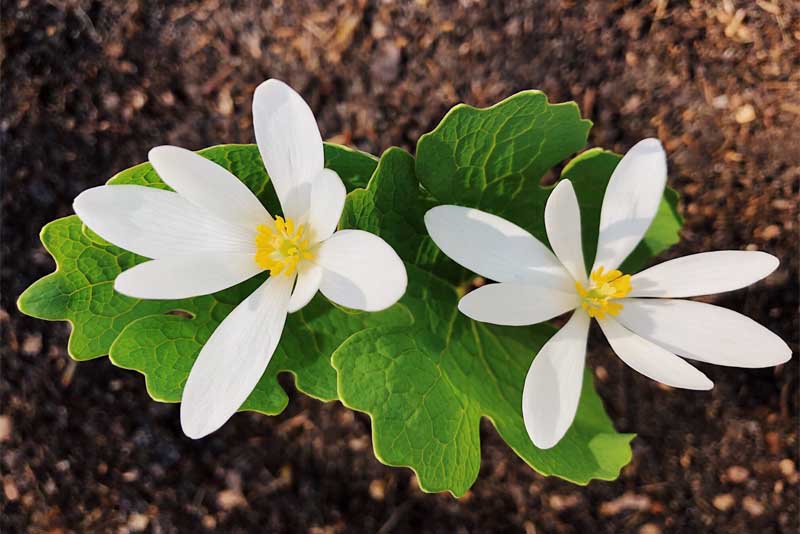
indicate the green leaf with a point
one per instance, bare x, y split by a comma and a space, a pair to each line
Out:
244, 162
427, 386
589, 173
161, 339
493, 159
81, 289
393, 207
164, 347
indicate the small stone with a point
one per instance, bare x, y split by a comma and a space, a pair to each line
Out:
771, 232
720, 102
229, 499
737, 474
138, 522
138, 99
745, 114
50, 487
225, 101
377, 489
601, 373
773, 442
724, 502
564, 502
752, 506
787, 467
32, 344
209, 522
168, 98
358, 444
10, 489
6, 428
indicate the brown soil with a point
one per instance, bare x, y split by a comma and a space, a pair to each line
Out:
88, 87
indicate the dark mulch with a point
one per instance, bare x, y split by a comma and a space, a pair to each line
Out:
88, 87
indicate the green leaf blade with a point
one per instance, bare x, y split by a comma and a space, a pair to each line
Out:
483, 157
153, 336
427, 386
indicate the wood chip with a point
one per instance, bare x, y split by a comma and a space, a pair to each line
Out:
6, 428
627, 501
745, 114
724, 502
737, 474
752, 506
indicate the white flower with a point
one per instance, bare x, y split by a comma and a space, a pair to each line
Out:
648, 334
213, 233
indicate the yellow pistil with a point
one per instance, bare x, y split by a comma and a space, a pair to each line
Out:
604, 287
280, 246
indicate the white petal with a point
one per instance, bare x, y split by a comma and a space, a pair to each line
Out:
703, 274
491, 246
361, 271
156, 224
208, 185
290, 144
233, 359
309, 277
327, 202
704, 332
562, 218
513, 304
553, 384
181, 277
651, 360
631, 201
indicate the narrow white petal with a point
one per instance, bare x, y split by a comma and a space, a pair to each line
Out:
208, 185
630, 202
156, 224
703, 274
181, 277
361, 271
233, 359
513, 304
491, 246
704, 332
309, 277
327, 202
290, 144
562, 218
553, 384
651, 360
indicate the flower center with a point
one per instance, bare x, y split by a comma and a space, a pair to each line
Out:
281, 246
604, 287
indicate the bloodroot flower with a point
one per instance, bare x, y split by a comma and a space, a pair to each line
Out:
647, 328
213, 233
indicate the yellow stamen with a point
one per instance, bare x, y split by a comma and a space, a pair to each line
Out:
280, 246
604, 287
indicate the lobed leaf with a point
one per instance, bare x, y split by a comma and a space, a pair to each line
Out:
426, 386
161, 339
